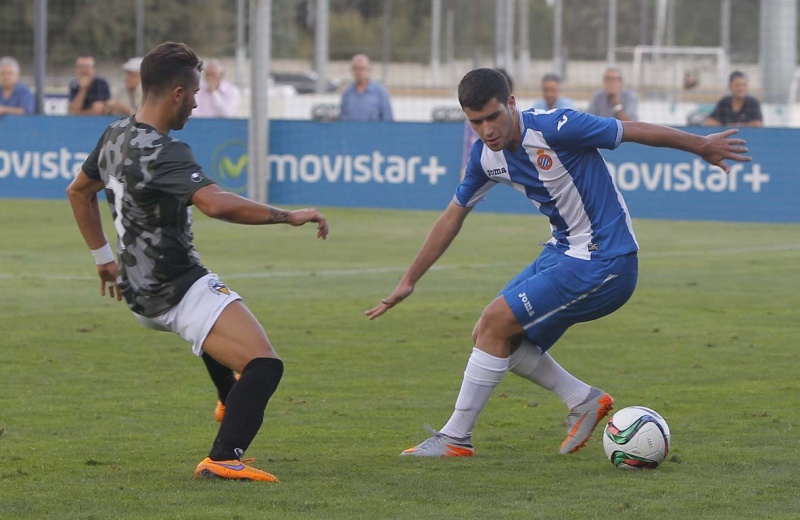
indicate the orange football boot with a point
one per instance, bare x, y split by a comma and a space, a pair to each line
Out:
584, 418
232, 470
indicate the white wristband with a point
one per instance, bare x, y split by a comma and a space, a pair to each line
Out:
103, 255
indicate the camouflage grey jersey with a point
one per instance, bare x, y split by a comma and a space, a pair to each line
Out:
150, 178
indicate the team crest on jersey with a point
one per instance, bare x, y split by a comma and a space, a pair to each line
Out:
544, 161
218, 287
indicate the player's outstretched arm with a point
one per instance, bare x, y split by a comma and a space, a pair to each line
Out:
439, 239
82, 194
224, 205
714, 148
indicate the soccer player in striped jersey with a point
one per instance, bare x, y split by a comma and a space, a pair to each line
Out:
588, 268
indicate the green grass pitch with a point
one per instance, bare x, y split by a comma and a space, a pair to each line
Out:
101, 419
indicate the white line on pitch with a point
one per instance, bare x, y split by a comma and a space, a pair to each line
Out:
389, 270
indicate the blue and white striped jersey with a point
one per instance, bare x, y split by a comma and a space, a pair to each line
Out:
559, 168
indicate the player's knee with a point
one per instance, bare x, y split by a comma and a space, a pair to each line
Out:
475, 331
485, 325
497, 321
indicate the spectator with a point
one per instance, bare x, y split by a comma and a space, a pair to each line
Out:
551, 94
218, 97
614, 100
15, 98
364, 100
690, 80
738, 108
127, 99
88, 93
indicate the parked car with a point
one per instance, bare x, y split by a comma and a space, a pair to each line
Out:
303, 82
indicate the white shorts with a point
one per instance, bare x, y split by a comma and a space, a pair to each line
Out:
197, 312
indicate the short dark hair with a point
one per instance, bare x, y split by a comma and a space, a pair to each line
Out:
505, 73
551, 77
480, 86
736, 74
169, 65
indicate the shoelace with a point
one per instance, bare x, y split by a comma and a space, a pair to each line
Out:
435, 436
428, 428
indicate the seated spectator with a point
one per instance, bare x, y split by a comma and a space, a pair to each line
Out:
551, 94
127, 99
738, 108
15, 98
364, 100
217, 97
88, 93
614, 100
690, 80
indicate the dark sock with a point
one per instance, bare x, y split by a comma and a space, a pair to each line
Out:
221, 375
244, 409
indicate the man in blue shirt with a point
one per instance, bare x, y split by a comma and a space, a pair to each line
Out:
588, 268
551, 94
15, 98
364, 100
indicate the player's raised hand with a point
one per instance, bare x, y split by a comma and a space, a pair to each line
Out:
400, 293
719, 146
299, 217
108, 280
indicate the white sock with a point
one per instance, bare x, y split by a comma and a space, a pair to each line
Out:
529, 362
483, 373
523, 361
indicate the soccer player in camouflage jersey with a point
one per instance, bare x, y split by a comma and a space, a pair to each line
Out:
150, 180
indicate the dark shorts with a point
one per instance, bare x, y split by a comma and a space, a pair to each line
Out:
557, 291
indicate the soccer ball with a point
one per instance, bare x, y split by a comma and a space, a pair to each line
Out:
636, 438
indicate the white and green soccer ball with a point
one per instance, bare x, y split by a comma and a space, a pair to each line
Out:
636, 438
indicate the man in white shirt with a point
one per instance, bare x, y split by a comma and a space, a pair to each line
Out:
217, 97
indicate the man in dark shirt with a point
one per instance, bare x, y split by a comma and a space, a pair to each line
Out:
738, 108
88, 94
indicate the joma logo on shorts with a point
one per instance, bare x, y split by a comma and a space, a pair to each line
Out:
496, 171
526, 302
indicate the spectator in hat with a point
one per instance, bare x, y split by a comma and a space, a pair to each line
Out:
127, 99
15, 97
